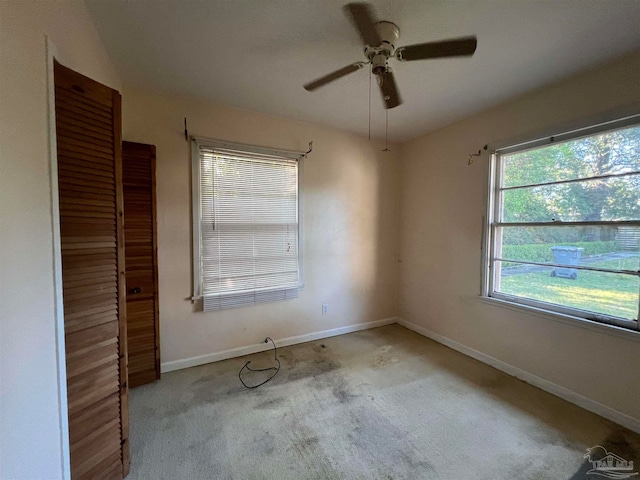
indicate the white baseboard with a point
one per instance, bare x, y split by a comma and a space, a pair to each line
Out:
282, 342
564, 393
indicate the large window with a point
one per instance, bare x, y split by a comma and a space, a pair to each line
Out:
564, 224
245, 225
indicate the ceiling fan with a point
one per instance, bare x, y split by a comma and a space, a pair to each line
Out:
379, 38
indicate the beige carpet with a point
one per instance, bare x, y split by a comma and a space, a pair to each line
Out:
378, 404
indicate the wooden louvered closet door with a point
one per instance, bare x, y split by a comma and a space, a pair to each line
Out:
88, 137
143, 345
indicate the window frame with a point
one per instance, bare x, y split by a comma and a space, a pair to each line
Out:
491, 223
196, 214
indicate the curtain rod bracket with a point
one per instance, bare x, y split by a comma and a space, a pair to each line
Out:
310, 148
186, 132
471, 155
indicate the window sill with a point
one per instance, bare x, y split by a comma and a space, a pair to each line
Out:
604, 328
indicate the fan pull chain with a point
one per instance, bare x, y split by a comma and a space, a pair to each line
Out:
370, 68
386, 132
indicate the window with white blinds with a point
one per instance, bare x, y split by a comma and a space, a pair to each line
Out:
245, 226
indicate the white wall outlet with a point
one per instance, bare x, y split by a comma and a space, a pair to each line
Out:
325, 308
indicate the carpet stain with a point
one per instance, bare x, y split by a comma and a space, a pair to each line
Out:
307, 450
419, 468
297, 368
203, 379
264, 444
341, 390
306, 446
204, 392
623, 444
382, 357
386, 446
304, 439
272, 403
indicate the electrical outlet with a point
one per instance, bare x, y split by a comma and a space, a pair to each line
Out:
325, 308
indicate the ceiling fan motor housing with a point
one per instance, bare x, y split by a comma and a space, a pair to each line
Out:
389, 33
379, 54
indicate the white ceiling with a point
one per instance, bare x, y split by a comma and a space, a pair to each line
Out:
257, 54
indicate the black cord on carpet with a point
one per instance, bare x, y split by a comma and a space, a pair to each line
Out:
275, 369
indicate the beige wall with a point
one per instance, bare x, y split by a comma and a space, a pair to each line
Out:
350, 223
442, 205
30, 410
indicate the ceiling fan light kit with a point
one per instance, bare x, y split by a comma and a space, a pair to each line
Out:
380, 38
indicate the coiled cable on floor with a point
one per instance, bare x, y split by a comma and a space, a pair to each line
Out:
275, 369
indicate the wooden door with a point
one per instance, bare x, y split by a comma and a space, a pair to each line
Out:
143, 336
88, 138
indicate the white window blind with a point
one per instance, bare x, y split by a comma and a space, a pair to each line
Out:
248, 227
